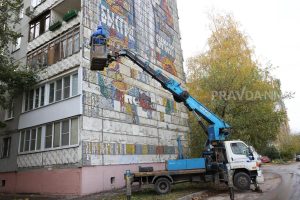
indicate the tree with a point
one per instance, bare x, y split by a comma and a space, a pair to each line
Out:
13, 79
228, 80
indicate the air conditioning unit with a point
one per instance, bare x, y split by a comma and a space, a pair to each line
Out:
29, 11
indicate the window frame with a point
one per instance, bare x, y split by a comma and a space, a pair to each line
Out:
17, 45
40, 22
5, 152
27, 98
43, 135
9, 112
55, 50
238, 145
62, 78
23, 140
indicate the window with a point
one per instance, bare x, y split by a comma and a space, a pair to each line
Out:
239, 148
5, 149
70, 45
65, 45
56, 134
9, 113
31, 97
64, 48
39, 138
33, 140
27, 140
74, 131
30, 140
42, 92
51, 93
63, 88
63, 133
74, 84
22, 139
39, 59
48, 137
76, 42
67, 87
58, 90
57, 51
37, 98
56, 139
17, 45
39, 26
34, 98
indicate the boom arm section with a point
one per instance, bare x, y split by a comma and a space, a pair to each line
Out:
217, 130
100, 58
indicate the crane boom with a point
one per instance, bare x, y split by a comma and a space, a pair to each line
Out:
217, 129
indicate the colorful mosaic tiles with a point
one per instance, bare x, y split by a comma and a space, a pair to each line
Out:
98, 148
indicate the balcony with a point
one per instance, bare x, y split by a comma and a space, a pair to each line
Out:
57, 15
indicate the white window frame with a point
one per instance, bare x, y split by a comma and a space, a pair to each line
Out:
60, 134
34, 98
30, 139
47, 92
43, 137
71, 75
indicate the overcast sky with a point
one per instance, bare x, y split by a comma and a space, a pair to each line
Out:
274, 30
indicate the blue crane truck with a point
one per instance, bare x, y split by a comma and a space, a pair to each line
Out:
229, 161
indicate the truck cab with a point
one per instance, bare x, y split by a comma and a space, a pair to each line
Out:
244, 164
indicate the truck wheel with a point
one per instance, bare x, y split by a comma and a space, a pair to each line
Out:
162, 186
242, 181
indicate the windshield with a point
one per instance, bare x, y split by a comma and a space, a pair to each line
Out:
239, 148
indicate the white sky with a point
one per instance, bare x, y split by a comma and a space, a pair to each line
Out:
273, 27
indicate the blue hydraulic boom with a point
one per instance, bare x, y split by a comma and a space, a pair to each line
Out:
217, 129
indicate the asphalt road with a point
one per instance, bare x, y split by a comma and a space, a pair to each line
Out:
289, 187
282, 182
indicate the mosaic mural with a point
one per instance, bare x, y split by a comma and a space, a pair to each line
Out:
146, 27
97, 148
122, 97
150, 28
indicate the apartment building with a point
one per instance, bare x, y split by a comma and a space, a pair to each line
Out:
77, 131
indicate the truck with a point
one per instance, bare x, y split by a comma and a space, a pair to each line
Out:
232, 162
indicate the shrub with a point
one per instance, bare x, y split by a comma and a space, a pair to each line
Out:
272, 152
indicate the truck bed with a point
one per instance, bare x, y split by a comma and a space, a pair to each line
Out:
165, 172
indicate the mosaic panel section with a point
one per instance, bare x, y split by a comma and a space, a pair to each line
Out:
140, 120
149, 27
95, 150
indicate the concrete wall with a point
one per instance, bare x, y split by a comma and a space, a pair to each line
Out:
126, 118
10, 164
126, 113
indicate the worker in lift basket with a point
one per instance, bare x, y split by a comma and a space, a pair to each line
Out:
99, 36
